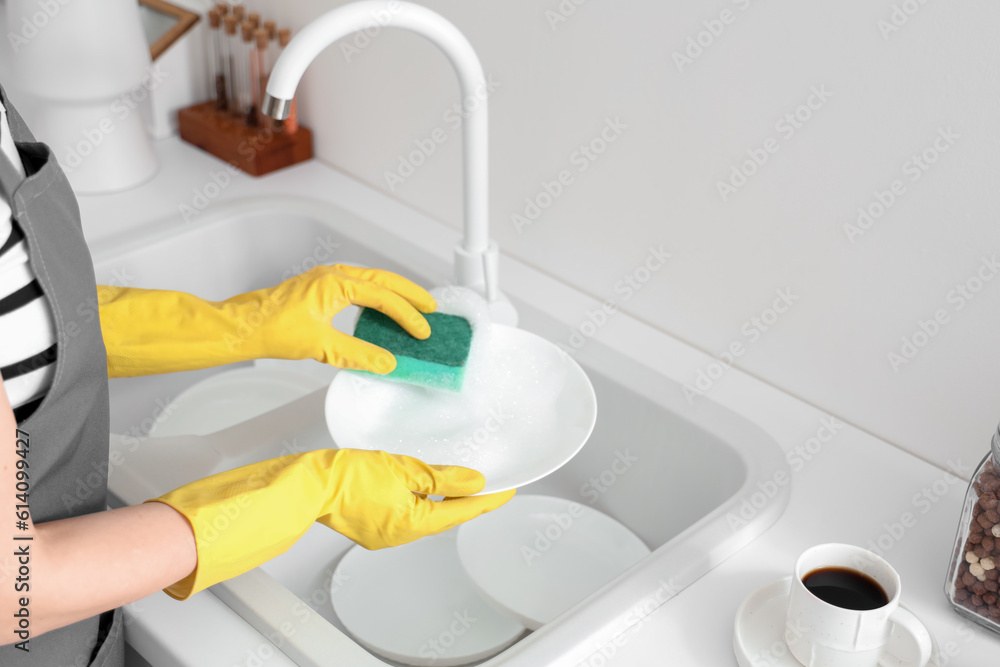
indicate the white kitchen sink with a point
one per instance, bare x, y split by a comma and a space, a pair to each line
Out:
695, 482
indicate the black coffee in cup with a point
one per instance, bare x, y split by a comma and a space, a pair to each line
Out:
845, 588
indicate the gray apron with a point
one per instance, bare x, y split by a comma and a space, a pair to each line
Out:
68, 433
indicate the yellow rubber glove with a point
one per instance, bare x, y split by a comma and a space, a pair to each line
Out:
244, 517
157, 331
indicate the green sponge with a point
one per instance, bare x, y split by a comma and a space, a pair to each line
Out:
438, 361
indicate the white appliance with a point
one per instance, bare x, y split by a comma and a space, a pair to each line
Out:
83, 72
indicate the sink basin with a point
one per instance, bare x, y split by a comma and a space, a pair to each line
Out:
695, 482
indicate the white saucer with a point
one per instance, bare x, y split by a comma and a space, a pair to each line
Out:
537, 556
231, 397
759, 633
530, 417
415, 605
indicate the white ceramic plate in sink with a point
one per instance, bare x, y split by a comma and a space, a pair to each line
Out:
530, 417
414, 604
231, 397
537, 556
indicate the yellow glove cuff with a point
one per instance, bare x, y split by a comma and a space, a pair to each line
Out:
244, 517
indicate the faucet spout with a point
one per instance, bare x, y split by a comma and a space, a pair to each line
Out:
276, 107
476, 256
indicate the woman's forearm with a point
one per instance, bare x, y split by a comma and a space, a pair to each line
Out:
65, 571
86, 565
149, 332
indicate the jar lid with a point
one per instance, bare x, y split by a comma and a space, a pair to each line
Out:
995, 447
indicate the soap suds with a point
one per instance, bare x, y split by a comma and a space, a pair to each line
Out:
507, 400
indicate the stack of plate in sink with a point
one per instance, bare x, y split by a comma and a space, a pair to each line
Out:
233, 396
537, 556
471, 592
467, 594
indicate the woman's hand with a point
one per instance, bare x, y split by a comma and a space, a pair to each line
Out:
292, 320
158, 331
244, 517
82, 566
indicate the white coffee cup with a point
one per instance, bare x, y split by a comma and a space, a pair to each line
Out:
820, 634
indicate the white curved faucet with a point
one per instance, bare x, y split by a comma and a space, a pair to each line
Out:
476, 255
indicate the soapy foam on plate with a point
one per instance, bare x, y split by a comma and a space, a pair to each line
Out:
507, 397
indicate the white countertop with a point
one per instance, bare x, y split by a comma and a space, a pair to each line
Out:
853, 489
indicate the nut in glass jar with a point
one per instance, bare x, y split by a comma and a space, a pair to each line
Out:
973, 584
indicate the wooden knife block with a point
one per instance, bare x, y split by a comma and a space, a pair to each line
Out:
255, 150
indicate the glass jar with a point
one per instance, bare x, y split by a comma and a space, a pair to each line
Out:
973, 584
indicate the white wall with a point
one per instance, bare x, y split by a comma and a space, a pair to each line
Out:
657, 183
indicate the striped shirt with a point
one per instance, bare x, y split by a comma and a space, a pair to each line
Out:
27, 329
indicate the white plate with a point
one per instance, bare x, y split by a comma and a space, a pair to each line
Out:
231, 397
322, 373
530, 417
759, 632
537, 556
414, 604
